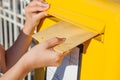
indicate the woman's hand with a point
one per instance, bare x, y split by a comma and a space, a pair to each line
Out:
44, 55
34, 12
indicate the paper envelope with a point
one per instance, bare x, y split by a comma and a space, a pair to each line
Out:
74, 35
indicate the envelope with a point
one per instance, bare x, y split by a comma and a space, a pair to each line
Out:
74, 35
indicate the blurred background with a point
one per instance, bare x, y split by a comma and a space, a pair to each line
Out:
11, 21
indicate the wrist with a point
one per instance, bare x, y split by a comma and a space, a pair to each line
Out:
29, 61
25, 62
18, 71
28, 29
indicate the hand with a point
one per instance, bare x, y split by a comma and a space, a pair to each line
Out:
44, 55
34, 12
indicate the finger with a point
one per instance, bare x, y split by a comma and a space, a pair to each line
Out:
67, 52
40, 0
53, 42
41, 15
37, 9
37, 3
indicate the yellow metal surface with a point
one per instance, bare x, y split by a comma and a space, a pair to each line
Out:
93, 61
100, 60
91, 13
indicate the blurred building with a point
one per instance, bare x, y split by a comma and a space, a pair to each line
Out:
11, 21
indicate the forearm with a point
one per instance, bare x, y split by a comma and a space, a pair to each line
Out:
18, 71
34, 12
14, 53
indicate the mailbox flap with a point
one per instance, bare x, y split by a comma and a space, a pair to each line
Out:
92, 14
73, 34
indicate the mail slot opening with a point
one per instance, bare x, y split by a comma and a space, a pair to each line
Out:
74, 35
54, 21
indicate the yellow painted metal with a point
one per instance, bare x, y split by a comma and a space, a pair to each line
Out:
112, 50
39, 74
93, 61
91, 13
101, 59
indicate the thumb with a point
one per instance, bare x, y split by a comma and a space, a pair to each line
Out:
53, 42
41, 15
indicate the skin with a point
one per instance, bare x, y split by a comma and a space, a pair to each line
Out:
16, 62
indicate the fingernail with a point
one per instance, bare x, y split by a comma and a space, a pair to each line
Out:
44, 2
46, 14
63, 39
47, 5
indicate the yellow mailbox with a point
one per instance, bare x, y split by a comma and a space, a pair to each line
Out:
101, 59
